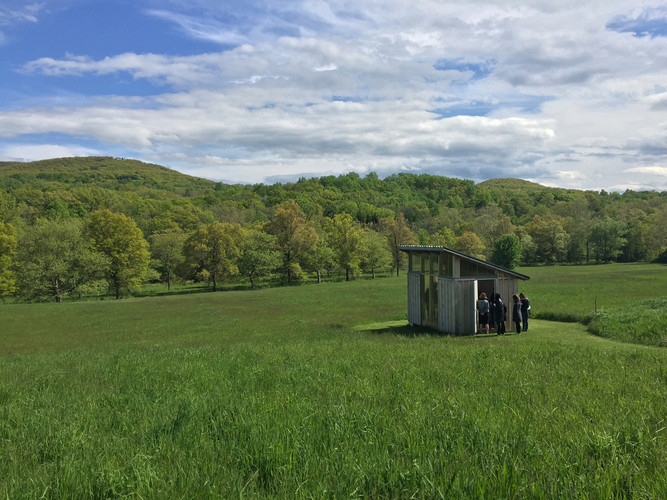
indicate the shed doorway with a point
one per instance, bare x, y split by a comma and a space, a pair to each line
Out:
486, 286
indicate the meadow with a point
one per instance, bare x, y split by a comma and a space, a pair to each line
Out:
322, 391
627, 302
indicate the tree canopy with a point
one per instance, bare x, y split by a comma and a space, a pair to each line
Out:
8, 244
121, 241
297, 220
56, 259
212, 251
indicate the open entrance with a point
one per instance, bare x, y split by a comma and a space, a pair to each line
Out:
486, 286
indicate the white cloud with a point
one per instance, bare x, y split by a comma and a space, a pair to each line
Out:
544, 90
33, 152
24, 13
202, 28
15, 15
651, 170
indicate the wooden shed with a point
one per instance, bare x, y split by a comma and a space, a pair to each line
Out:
444, 285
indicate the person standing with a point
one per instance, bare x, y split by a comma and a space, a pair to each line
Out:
525, 310
483, 313
492, 311
500, 313
516, 313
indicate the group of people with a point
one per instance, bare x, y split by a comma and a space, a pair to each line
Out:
492, 313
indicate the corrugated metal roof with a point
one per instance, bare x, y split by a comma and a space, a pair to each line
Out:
424, 248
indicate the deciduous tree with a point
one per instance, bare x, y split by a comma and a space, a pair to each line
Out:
445, 237
118, 237
320, 258
549, 237
212, 251
507, 251
345, 238
258, 255
7, 253
469, 243
607, 239
55, 259
398, 233
167, 250
296, 237
375, 254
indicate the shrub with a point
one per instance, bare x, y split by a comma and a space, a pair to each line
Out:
640, 322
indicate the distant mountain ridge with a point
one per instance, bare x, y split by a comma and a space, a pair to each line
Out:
509, 184
554, 224
101, 171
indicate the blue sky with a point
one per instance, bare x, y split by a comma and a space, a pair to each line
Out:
265, 91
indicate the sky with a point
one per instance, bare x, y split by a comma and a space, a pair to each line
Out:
564, 93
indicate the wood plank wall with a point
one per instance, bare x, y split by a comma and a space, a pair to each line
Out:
456, 305
507, 287
465, 320
414, 298
446, 305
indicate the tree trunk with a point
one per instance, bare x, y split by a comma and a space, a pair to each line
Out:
215, 287
319, 276
373, 271
168, 280
347, 274
56, 291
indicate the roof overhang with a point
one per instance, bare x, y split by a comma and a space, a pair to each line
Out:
424, 248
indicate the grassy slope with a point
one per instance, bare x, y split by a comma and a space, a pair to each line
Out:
572, 293
622, 301
272, 393
105, 172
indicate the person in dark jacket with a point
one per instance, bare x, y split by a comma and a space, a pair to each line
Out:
500, 313
492, 311
516, 313
525, 310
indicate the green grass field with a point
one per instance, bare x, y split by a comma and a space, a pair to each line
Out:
626, 302
321, 391
573, 293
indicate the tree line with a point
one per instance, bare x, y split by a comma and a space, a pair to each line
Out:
107, 251
80, 225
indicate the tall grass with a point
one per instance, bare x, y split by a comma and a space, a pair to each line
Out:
574, 293
272, 394
621, 301
643, 322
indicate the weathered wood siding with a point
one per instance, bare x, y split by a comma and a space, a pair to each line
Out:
465, 311
446, 304
414, 298
456, 306
507, 287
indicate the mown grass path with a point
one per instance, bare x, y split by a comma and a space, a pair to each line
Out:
273, 393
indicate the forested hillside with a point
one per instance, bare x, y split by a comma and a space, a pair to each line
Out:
346, 223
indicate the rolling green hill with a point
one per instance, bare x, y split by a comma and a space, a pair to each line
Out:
157, 198
102, 172
509, 185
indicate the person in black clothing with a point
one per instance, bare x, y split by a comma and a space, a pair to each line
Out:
516, 313
499, 314
525, 310
492, 311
